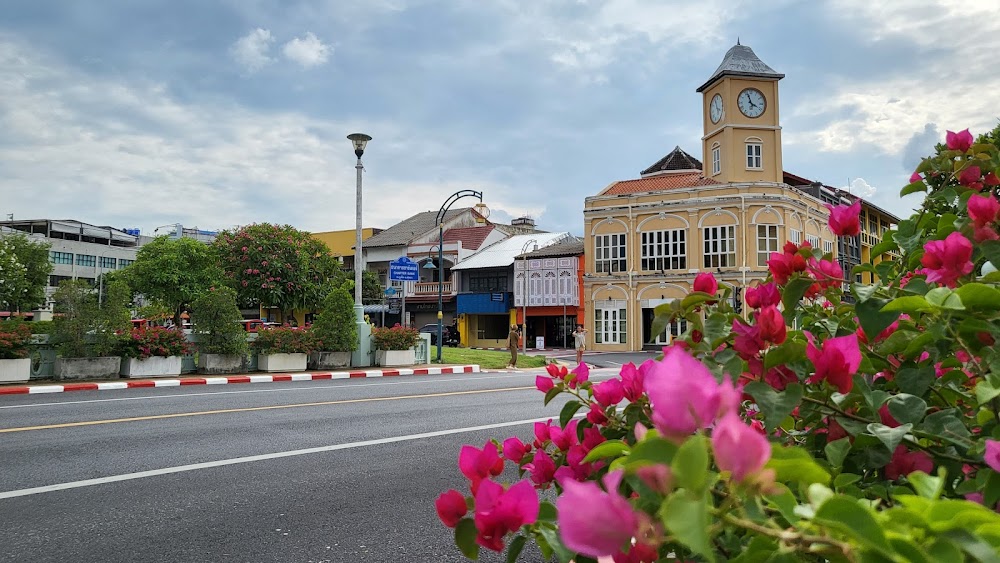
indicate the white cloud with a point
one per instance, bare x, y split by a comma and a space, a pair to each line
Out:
860, 188
308, 51
252, 50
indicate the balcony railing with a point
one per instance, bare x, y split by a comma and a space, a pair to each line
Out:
430, 288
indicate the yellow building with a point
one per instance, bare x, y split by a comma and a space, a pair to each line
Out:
341, 243
648, 237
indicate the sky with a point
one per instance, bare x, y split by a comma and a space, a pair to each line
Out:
219, 113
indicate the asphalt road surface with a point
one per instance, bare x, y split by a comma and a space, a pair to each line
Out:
308, 471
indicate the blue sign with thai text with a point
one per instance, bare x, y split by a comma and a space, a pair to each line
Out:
404, 269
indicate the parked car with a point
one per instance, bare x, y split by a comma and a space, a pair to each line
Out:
449, 335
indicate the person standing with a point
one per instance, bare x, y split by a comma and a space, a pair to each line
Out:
580, 342
512, 342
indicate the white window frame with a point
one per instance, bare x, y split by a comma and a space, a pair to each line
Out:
719, 249
755, 155
767, 242
716, 159
673, 330
795, 235
663, 250
827, 246
610, 322
609, 252
813, 240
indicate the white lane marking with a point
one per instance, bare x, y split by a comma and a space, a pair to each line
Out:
254, 458
420, 381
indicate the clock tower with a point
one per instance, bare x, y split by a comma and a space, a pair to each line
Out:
742, 140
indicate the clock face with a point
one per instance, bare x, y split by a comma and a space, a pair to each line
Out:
751, 102
715, 109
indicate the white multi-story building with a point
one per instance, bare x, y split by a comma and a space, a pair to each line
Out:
79, 250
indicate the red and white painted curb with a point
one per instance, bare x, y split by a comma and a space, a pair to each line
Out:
226, 380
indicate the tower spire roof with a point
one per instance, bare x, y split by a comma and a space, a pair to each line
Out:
740, 60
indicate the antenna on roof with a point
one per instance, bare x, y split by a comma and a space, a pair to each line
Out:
737, 39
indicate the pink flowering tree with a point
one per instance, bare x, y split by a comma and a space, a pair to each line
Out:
834, 421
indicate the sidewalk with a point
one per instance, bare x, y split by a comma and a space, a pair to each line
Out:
228, 379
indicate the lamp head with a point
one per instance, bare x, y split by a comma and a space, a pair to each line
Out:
429, 265
359, 140
483, 212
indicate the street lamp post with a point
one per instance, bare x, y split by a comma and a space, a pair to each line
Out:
524, 302
440, 223
361, 356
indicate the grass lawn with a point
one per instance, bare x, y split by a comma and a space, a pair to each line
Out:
487, 359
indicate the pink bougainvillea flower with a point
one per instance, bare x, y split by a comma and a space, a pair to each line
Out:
683, 393
582, 373
542, 469
563, 438
575, 469
591, 438
783, 264
738, 448
705, 282
593, 522
478, 464
499, 512
609, 392
542, 433
772, 325
886, 417
763, 295
451, 507
905, 462
828, 273
844, 220
543, 383
780, 377
991, 179
983, 209
960, 141
916, 177
947, 260
992, 455
632, 381
596, 415
836, 362
657, 477
557, 371
514, 449
983, 234
748, 342
971, 177
638, 553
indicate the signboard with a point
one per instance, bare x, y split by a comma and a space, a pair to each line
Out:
395, 304
390, 291
498, 297
404, 269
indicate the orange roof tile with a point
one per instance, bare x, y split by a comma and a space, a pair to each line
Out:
471, 237
659, 182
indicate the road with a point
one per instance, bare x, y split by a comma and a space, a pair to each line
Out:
309, 471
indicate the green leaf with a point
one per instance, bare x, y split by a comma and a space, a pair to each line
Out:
872, 320
991, 492
784, 501
946, 225
948, 426
775, 405
944, 298
911, 304
686, 517
717, 327
795, 464
912, 188
567, 412
889, 436
690, 465
926, 485
652, 451
794, 290
845, 514
845, 479
919, 345
790, 351
547, 511
886, 245
465, 538
907, 408
515, 547
694, 299
551, 393
864, 292
607, 449
837, 451
991, 250
915, 381
979, 297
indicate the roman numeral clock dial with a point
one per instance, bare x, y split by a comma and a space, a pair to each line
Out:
751, 102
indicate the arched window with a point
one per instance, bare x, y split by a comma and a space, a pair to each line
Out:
716, 158
755, 152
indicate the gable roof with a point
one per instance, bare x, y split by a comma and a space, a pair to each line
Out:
405, 231
740, 60
470, 237
502, 254
676, 159
658, 182
571, 246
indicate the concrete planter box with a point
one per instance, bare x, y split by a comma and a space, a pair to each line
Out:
329, 360
395, 358
220, 363
15, 370
107, 367
281, 362
156, 366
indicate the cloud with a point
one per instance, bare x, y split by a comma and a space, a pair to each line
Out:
251, 50
308, 51
860, 188
920, 146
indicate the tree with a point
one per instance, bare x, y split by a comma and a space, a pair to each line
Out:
275, 265
76, 310
216, 320
25, 269
335, 329
174, 272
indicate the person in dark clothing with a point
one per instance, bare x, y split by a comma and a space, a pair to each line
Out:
513, 339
